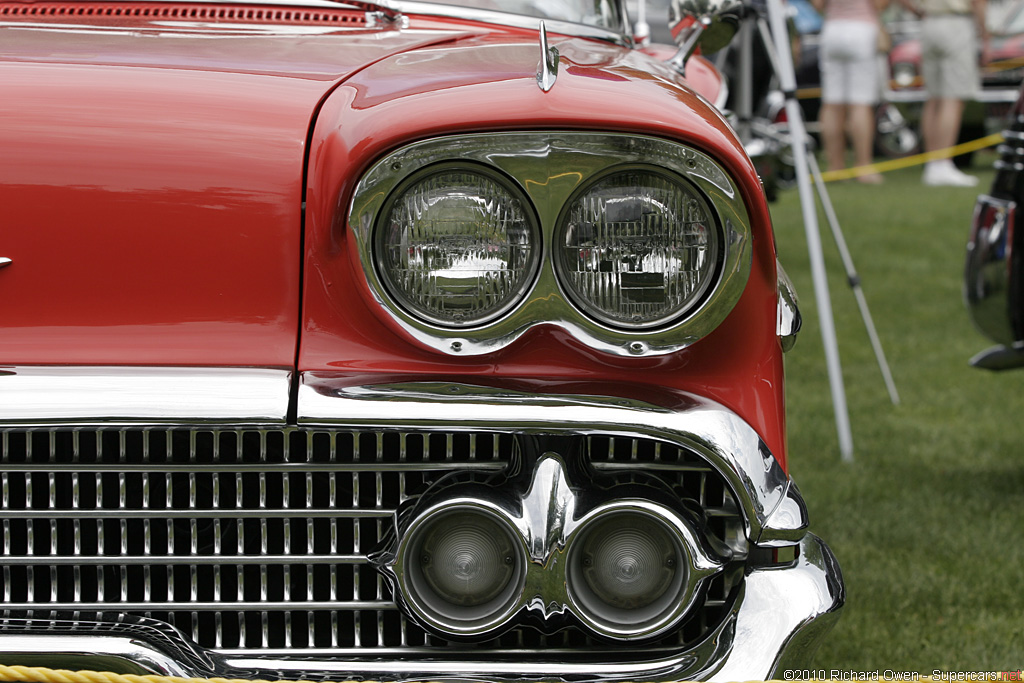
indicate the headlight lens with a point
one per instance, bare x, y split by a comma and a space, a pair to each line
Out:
458, 245
637, 249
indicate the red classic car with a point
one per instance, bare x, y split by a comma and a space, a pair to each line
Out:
389, 340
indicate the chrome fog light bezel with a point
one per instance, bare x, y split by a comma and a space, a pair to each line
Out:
457, 621
549, 167
694, 567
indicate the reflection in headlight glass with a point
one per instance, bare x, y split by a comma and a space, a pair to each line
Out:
457, 247
637, 249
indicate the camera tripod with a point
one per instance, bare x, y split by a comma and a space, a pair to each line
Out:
769, 21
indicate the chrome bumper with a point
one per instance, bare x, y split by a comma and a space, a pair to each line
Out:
777, 621
777, 615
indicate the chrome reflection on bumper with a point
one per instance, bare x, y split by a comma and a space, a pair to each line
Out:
991, 285
774, 511
776, 620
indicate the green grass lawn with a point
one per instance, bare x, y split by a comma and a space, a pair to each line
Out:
928, 521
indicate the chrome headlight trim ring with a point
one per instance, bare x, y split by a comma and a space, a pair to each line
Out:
549, 168
452, 620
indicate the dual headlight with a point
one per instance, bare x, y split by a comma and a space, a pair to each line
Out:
619, 239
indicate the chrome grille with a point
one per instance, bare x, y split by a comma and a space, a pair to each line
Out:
257, 540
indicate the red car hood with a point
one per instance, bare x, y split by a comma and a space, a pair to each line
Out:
177, 133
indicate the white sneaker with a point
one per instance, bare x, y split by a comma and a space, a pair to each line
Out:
947, 174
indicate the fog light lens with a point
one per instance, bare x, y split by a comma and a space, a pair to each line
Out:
458, 246
628, 572
463, 570
637, 249
466, 559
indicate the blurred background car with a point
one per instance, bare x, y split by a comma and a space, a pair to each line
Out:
994, 271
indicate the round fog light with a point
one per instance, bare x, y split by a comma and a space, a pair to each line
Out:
628, 573
462, 570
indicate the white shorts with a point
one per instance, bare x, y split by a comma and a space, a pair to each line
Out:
848, 59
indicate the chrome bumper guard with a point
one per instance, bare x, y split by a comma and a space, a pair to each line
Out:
778, 614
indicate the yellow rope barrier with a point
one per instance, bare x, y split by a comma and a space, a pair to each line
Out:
914, 160
38, 674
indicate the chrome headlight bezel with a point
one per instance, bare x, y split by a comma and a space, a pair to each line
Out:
549, 168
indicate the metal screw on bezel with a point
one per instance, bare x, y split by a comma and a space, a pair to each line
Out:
637, 348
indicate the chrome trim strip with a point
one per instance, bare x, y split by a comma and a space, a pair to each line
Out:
549, 166
774, 511
789, 319
4, 261
31, 395
618, 35
778, 617
119, 654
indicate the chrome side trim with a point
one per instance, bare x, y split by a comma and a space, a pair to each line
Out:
774, 511
778, 617
4, 261
789, 319
548, 167
32, 395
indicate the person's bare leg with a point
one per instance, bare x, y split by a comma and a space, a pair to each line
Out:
833, 135
948, 114
861, 126
928, 118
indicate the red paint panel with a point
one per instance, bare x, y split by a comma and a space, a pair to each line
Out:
151, 182
142, 228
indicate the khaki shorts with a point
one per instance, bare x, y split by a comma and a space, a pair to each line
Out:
949, 57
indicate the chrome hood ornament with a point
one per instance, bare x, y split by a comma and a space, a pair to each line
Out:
547, 70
